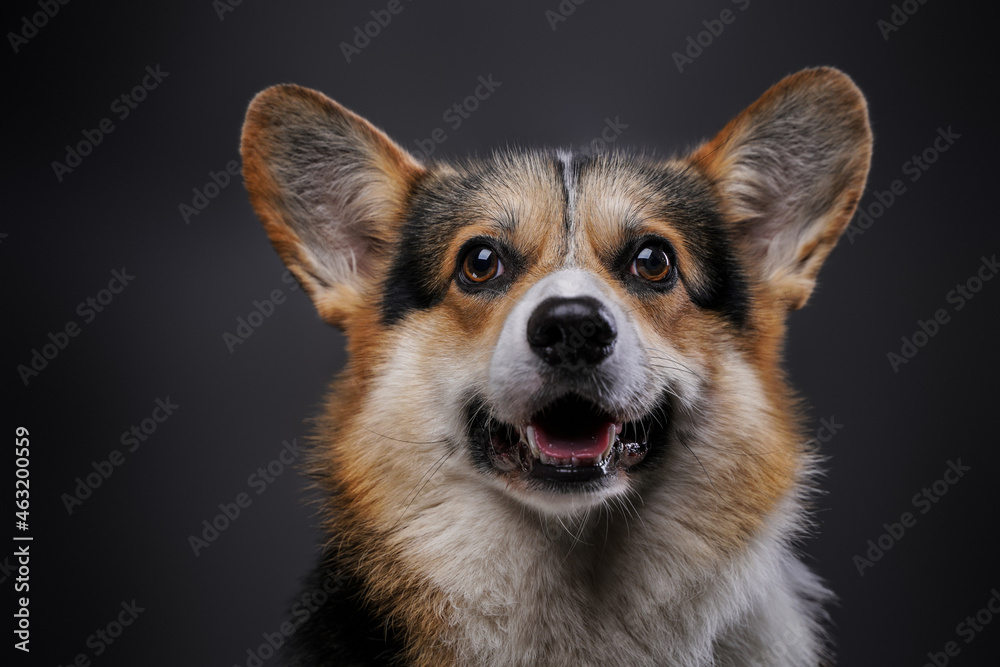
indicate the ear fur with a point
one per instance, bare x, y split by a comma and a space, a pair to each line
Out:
330, 189
790, 170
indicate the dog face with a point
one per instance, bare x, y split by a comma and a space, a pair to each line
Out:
573, 288
559, 331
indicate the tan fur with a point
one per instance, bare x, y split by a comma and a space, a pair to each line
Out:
828, 94
282, 194
666, 568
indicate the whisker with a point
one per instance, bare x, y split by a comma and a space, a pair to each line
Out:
425, 480
705, 470
409, 442
660, 357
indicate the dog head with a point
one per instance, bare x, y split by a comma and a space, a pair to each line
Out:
564, 330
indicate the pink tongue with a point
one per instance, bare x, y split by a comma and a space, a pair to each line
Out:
581, 442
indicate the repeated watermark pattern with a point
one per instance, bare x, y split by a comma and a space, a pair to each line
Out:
131, 440
923, 501
562, 12
203, 196
608, 135
261, 311
258, 482
7, 569
455, 115
302, 609
363, 35
31, 24
365, 28
957, 297
223, 7
825, 432
88, 309
122, 106
696, 45
898, 16
967, 629
914, 168
104, 637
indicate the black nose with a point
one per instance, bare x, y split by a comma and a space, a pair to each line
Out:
571, 332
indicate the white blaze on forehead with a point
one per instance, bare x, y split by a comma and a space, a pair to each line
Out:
565, 158
516, 372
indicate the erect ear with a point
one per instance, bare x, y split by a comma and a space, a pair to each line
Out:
790, 170
330, 189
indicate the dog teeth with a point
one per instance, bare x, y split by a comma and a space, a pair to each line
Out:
544, 458
613, 431
529, 433
528, 436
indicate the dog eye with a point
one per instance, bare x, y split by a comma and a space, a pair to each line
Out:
652, 263
481, 263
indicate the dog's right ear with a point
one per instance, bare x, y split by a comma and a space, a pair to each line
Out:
330, 189
790, 171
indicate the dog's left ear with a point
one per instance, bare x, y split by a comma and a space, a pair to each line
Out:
790, 170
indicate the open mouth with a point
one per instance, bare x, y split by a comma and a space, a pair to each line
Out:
569, 440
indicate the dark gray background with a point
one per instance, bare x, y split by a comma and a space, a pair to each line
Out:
162, 336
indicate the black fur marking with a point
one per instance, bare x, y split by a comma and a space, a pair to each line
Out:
333, 628
474, 417
688, 202
434, 217
440, 205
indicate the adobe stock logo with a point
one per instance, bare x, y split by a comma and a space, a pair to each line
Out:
381, 18
898, 17
457, 114
31, 25
102, 638
88, 309
915, 167
959, 296
924, 500
121, 106
216, 183
246, 326
828, 428
105, 468
713, 30
609, 134
229, 512
307, 604
565, 10
968, 629
223, 7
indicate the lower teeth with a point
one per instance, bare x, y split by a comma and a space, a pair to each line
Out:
526, 452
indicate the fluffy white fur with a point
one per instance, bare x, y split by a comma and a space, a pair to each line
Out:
622, 580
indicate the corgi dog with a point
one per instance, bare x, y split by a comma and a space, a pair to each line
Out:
563, 435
